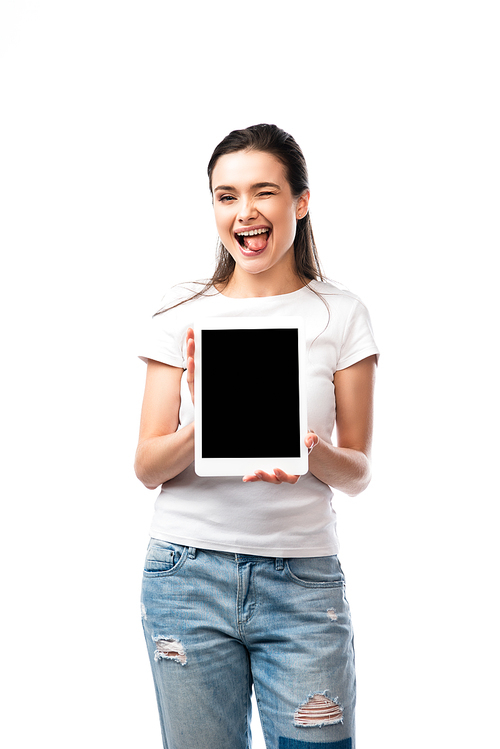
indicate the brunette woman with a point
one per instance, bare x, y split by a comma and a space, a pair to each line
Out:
242, 583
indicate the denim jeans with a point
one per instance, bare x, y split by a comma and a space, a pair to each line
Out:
215, 623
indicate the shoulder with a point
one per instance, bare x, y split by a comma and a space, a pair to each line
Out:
337, 296
164, 338
349, 324
184, 293
333, 289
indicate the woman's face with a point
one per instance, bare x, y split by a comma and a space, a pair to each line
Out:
255, 212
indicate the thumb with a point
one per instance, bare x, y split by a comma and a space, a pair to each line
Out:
311, 440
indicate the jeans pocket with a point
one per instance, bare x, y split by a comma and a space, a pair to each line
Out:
315, 572
163, 558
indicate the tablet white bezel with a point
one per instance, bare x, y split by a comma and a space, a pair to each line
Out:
245, 466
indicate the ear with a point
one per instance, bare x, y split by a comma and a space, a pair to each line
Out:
302, 205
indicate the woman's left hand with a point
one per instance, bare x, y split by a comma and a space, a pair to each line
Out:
278, 476
190, 361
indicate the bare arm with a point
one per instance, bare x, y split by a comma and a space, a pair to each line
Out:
345, 466
163, 451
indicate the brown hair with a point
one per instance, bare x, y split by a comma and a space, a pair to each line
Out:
269, 139
273, 140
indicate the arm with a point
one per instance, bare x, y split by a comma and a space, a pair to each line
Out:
163, 451
345, 466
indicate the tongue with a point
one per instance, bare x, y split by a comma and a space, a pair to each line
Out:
257, 242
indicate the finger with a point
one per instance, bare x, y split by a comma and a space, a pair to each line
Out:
251, 479
190, 344
261, 476
285, 478
277, 477
311, 441
190, 376
190, 360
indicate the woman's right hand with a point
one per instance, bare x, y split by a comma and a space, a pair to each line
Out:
190, 361
164, 450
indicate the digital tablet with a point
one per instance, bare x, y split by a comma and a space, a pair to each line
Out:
250, 396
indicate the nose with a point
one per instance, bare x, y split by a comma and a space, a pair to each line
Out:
247, 211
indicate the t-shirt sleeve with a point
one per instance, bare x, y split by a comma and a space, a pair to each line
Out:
358, 340
164, 337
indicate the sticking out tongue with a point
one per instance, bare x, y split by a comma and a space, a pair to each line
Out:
257, 242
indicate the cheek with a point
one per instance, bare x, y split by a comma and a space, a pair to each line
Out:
225, 235
287, 231
221, 225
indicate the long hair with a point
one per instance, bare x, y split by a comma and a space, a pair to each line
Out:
273, 140
268, 139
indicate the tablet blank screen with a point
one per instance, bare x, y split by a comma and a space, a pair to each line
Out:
250, 393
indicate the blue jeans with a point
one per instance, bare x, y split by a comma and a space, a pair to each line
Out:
216, 622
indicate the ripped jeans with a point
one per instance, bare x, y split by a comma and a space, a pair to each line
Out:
215, 623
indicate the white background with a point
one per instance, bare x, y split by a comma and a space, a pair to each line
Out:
109, 113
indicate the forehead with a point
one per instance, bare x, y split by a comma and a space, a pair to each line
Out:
245, 168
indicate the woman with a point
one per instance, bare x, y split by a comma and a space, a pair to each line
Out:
242, 582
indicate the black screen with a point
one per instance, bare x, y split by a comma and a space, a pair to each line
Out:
250, 393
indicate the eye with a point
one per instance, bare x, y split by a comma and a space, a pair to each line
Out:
266, 194
226, 198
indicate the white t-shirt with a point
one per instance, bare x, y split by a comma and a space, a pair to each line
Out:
224, 513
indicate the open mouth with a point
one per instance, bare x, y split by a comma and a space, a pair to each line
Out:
254, 240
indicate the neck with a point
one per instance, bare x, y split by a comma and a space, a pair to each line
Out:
244, 285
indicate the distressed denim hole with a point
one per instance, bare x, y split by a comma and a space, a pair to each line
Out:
167, 647
319, 710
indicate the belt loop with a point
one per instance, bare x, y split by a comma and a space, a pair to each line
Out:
279, 563
192, 552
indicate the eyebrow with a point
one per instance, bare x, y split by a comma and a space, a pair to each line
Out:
257, 186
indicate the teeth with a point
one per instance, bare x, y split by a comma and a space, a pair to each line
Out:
252, 232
